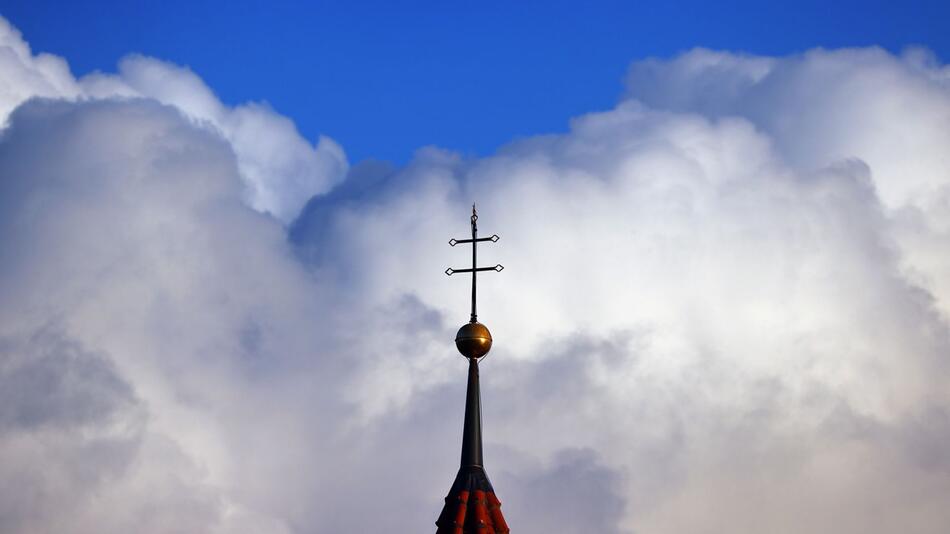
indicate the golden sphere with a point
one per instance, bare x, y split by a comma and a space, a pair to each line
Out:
473, 340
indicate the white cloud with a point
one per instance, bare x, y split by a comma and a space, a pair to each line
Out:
723, 309
824, 106
281, 170
728, 303
26, 75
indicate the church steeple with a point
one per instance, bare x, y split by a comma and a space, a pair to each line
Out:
471, 505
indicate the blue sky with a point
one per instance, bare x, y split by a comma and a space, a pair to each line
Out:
385, 78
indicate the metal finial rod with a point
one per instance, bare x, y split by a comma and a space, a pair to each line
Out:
475, 269
474, 259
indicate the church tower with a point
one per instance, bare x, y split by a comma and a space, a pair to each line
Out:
471, 505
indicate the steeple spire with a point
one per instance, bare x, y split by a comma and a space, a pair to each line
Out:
471, 505
472, 431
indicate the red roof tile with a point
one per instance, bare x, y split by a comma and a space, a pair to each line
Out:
475, 511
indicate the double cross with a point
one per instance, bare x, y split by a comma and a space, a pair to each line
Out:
475, 268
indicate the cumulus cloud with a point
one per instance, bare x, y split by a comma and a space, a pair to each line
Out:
825, 106
280, 169
724, 308
736, 321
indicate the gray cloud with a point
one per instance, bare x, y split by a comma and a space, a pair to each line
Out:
48, 381
575, 494
69, 426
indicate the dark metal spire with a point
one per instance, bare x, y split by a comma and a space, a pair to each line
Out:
472, 431
471, 505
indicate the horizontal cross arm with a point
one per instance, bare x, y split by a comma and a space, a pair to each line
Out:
498, 268
493, 239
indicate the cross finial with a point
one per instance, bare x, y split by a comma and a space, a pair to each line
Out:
475, 268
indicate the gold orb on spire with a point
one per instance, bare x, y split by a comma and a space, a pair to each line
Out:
473, 340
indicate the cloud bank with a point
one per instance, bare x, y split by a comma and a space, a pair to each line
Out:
724, 307
280, 169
